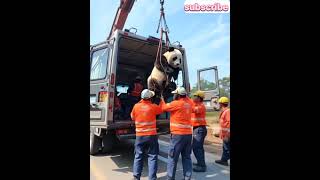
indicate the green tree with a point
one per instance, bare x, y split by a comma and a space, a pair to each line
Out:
205, 85
224, 86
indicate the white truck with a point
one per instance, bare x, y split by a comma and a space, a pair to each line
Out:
114, 65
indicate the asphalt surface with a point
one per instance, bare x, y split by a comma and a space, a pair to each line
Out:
117, 165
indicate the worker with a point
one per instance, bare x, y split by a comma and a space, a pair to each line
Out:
134, 92
144, 115
181, 133
136, 88
225, 130
199, 130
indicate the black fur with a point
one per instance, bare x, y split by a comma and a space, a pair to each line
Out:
170, 49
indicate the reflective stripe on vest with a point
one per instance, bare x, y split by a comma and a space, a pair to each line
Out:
225, 129
180, 125
145, 129
197, 119
196, 109
144, 123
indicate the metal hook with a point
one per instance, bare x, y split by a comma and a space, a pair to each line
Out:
133, 29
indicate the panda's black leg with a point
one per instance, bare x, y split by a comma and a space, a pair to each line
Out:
157, 97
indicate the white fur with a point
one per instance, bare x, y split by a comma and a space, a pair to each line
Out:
170, 55
158, 75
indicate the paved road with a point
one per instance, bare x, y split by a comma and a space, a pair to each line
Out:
117, 165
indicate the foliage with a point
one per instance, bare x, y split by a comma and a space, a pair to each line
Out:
224, 88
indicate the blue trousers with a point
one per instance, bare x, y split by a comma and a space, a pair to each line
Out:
199, 133
179, 144
146, 145
226, 150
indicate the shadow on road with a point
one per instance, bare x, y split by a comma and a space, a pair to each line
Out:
123, 156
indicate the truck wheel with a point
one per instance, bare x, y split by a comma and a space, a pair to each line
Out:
108, 142
95, 143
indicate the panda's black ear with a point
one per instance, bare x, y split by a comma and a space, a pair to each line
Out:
171, 49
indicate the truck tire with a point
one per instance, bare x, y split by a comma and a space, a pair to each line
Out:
95, 143
108, 142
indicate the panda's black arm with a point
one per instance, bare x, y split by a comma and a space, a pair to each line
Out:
175, 74
161, 65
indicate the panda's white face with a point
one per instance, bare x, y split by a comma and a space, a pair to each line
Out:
174, 58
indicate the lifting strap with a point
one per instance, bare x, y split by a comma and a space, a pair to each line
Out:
165, 30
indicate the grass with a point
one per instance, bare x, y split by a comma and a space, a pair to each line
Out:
212, 117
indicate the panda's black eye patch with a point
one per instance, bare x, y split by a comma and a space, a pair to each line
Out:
174, 58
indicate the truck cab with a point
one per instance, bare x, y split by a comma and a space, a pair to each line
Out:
114, 65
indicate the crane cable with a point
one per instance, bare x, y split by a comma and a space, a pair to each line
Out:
162, 22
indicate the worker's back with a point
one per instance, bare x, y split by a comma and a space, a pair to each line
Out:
199, 114
180, 118
144, 114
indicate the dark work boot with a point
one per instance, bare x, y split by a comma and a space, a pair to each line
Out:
224, 163
195, 164
199, 169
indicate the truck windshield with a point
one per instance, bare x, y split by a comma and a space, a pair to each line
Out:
99, 63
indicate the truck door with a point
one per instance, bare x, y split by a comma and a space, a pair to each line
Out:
100, 56
208, 82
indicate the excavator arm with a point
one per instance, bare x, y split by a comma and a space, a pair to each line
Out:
121, 15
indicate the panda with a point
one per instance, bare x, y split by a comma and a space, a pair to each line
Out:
164, 71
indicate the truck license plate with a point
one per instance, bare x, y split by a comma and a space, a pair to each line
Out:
95, 114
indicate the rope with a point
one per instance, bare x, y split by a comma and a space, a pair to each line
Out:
160, 55
166, 31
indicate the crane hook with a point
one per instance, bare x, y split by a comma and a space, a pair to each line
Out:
162, 19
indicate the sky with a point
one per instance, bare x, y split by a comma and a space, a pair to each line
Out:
206, 37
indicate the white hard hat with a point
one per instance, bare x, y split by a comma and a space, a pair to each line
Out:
146, 94
180, 91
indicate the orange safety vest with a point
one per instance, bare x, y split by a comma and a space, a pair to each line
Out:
144, 114
180, 117
198, 116
225, 123
137, 89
